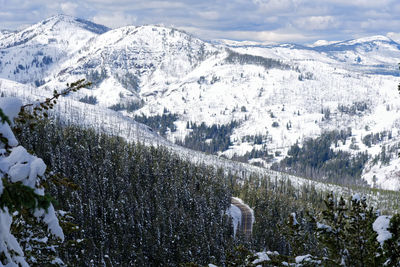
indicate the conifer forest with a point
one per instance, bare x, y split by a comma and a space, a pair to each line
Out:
244, 144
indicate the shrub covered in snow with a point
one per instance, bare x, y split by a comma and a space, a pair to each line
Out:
20, 190
28, 221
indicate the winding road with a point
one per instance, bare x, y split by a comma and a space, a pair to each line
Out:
246, 224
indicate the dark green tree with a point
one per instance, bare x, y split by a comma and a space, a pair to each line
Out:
30, 230
392, 245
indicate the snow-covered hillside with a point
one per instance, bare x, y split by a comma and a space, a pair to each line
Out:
29, 56
77, 113
283, 93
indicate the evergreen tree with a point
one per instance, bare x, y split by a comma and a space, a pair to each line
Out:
392, 245
360, 237
30, 230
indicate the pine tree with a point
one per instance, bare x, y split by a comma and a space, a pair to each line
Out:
30, 230
392, 245
360, 237
331, 229
27, 215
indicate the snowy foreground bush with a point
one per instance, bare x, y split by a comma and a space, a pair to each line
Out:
21, 193
30, 232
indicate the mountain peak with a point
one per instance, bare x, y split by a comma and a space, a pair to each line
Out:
365, 44
369, 39
235, 43
85, 24
57, 18
60, 29
322, 43
150, 36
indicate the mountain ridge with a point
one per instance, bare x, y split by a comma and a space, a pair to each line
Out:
282, 93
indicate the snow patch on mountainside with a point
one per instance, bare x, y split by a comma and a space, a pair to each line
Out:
30, 55
384, 176
114, 123
311, 90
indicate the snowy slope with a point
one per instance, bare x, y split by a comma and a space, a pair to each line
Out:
31, 54
111, 122
130, 60
200, 82
376, 53
335, 82
5, 33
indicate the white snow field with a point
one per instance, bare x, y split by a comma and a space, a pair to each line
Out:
216, 83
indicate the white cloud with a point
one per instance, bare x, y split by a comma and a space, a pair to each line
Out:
277, 20
114, 20
379, 24
316, 23
362, 3
271, 36
276, 5
271, 19
372, 13
69, 8
108, 2
210, 15
8, 15
259, 36
137, 5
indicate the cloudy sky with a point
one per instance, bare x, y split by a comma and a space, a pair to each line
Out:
298, 21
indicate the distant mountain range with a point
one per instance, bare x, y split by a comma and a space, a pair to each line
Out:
241, 100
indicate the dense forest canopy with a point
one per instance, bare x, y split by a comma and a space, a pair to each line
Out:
143, 205
127, 204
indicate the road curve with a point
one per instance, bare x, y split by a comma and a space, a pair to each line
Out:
246, 224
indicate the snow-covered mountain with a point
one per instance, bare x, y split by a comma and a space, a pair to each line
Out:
5, 33
283, 93
29, 56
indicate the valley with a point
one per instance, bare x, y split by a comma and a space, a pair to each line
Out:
238, 100
191, 152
